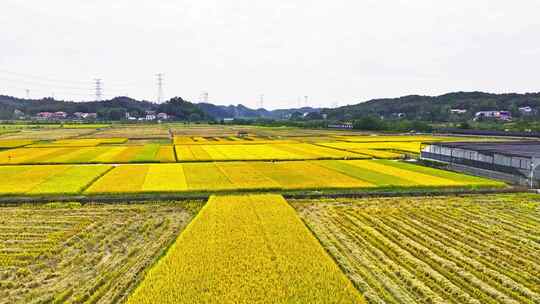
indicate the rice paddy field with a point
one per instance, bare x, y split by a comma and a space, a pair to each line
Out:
472, 249
73, 253
177, 213
246, 249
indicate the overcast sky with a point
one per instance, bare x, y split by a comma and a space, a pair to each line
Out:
335, 52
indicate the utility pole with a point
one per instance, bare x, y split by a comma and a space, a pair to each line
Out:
98, 87
27, 94
261, 101
306, 101
159, 87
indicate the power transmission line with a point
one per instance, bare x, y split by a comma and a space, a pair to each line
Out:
261, 101
159, 87
98, 88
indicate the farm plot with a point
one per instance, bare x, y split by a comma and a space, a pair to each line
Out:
47, 133
294, 175
14, 143
472, 249
68, 253
246, 249
300, 151
382, 148
84, 142
58, 179
374, 150
228, 176
83, 155
126, 131
228, 140
397, 138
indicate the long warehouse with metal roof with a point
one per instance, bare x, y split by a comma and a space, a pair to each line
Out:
514, 161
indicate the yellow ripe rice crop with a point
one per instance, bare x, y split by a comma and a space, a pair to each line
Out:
413, 146
14, 143
58, 179
369, 149
244, 176
307, 175
165, 178
413, 176
206, 177
246, 249
122, 179
397, 138
228, 140
73, 180
298, 151
165, 154
286, 175
149, 153
83, 142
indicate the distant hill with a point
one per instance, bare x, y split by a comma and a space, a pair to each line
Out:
113, 109
436, 108
241, 111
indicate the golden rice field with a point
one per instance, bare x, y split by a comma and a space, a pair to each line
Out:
470, 249
42, 180
298, 151
73, 253
377, 149
228, 140
246, 249
304, 175
47, 133
80, 142
147, 153
230, 176
396, 138
14, 143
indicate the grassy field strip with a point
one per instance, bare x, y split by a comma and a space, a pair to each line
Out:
68, 253
246, 249
59, 179
474, 249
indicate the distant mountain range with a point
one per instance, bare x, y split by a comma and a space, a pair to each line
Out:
113, 108
437, 108
415, 107
241, 111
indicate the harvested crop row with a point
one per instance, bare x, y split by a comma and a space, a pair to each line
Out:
246, 249
68, 253
433, 249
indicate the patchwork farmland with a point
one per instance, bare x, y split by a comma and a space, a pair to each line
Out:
174, 213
